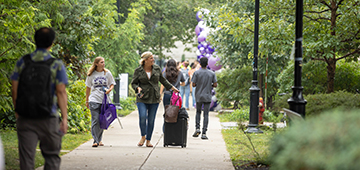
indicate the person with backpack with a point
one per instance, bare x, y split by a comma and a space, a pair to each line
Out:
204, 80
99, 81
186, 88
145, 82
38, 88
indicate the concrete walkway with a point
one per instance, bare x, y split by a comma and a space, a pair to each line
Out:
121, 150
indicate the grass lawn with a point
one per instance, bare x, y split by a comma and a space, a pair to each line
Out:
10, 143
240, 148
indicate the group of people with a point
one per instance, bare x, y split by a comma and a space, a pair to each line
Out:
49, 130
145, 82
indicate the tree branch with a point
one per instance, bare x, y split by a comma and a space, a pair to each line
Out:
250, 30
10, 48
319, 59
337, 6
349, 39
349, 54
317, 19
317, 12
323, 2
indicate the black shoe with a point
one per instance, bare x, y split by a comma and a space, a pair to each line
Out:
204, 137
197, 133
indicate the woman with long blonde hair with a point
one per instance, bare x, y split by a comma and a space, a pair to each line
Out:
99, 80
145, 82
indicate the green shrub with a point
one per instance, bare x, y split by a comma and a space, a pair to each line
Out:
128, 103
329, 141
241, 114
79, 117
269, 116
233, 85
318, 103
131, 91
314, 77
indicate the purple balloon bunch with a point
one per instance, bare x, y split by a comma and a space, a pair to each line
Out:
205, 49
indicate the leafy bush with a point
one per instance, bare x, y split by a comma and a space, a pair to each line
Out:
79, 117
233, 85
318, 103
269, 116
131, 91
128, 103
7, 119
238, 114
329, 141
314, 77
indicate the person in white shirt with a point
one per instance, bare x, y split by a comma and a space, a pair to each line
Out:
99, 80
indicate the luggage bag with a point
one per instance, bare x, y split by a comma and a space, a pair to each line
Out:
175, 134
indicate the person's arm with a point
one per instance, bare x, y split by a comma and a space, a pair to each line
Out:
88, 89
175, 89
109, 90
161, 89
14, 88
214, 81
62, 102
135, 82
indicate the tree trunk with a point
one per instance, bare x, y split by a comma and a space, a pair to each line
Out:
261, 82
332, 61
269, 102
331, 75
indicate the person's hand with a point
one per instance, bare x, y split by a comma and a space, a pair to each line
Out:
63, 126
87, 105
139, 89
175, 89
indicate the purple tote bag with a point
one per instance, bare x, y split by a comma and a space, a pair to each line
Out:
107, 113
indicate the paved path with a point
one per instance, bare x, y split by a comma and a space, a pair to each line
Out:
121, 150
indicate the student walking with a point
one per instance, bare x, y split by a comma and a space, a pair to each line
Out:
186, 88
99, 80
203, 79
38, 88
145, 82
174, 76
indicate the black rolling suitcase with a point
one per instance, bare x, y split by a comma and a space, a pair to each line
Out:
175, 134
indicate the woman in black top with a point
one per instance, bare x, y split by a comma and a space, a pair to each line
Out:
174, 76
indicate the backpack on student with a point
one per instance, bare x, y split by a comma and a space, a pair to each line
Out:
34, 99
185, 73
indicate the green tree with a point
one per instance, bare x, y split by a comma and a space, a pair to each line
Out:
234, 43
85, 29
166, 22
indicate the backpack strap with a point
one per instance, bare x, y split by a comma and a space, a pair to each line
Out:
27, 59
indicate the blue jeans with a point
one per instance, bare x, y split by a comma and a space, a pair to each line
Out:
166, 99
186, 90
147, 113
193, 95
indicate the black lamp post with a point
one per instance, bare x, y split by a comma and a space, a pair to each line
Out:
254, 89
297, 102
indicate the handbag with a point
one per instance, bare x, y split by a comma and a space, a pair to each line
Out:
107, 113
172, 111
176, 99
